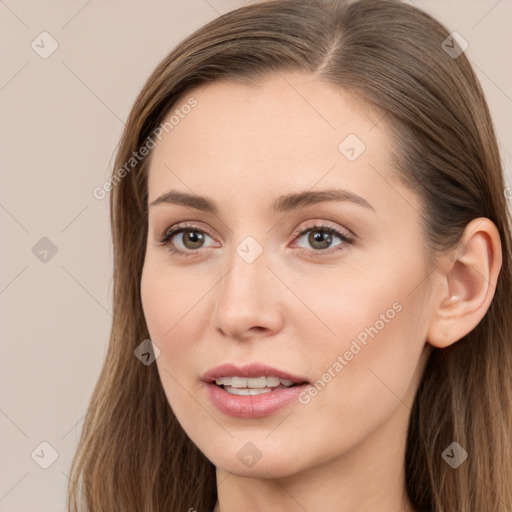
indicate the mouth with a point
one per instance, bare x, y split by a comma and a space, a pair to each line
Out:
252, 390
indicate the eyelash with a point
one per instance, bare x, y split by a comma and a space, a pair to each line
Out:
166, 237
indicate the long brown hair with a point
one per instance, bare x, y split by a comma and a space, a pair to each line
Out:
133, 455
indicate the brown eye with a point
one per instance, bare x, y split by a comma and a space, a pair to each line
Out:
320, 238
188, 243
193, 239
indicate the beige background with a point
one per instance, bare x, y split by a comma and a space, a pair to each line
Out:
61, 120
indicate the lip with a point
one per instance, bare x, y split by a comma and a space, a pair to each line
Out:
251, 406
249, 370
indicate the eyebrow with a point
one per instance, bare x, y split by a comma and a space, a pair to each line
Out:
282, 204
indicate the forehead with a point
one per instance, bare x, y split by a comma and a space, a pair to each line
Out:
289, 131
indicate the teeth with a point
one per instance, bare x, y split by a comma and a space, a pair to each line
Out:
252, 383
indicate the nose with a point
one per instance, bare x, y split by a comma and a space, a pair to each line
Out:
248, 300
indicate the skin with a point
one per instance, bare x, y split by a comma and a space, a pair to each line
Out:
243, 147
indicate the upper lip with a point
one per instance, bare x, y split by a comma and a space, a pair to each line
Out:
249, 370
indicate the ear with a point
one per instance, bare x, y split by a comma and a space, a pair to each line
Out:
467, 284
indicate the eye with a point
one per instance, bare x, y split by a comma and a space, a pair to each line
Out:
193, 238
320, 238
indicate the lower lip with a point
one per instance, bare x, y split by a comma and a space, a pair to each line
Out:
253, 406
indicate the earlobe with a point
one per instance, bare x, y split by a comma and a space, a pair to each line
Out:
467, 284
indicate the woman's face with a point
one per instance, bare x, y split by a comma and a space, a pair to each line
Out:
254, 281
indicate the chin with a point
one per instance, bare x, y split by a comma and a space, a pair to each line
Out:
267, 466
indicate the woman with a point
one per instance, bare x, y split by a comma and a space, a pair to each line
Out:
310, 226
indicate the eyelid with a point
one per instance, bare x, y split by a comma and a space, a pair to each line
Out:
322, 224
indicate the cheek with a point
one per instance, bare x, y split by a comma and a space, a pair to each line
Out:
370, 365
164, 304
174, 305
172, 309
169, 298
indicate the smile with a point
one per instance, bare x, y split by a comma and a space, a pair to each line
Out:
251, 390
